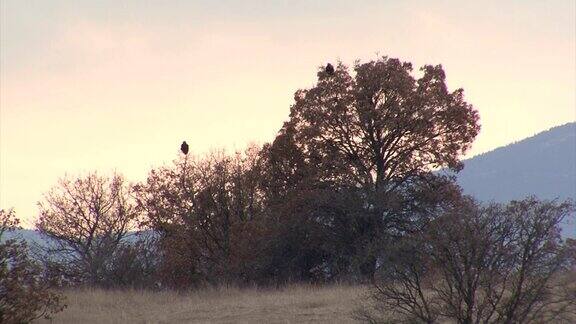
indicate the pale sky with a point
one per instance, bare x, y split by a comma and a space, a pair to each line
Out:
117, 85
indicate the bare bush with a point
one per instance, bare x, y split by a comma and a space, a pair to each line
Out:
474, 264
86, 220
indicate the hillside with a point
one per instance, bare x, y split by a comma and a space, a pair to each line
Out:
30, 236
543, 165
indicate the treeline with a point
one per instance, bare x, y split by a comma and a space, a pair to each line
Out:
208, 221
347, 191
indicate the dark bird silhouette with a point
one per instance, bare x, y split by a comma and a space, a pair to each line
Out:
184, 147
329, 69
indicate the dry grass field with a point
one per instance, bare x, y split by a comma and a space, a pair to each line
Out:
294, 304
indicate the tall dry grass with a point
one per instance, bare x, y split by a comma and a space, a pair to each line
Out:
292, 304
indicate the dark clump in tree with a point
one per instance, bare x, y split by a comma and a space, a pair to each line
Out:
329, 69
86, 221
480, 264
25, 293
184, 148
327, 235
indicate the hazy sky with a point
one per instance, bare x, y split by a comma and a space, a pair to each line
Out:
117, 85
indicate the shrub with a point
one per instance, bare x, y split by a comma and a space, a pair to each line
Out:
474, 264
86, 220
25, 294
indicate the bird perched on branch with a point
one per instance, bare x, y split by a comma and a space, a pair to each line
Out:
184, 148
329, 69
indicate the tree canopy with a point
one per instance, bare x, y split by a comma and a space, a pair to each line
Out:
380, 126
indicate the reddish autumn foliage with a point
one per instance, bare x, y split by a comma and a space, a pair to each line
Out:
376, 132
209, 214
379, 127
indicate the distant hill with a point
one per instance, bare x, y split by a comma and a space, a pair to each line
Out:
543, 165
30, 236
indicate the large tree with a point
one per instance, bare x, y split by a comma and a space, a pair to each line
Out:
380, 126
377, 133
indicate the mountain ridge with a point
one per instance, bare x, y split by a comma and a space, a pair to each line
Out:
543, 165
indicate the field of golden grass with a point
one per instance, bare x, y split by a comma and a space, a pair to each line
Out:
293, 304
